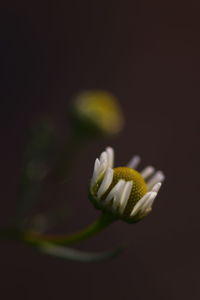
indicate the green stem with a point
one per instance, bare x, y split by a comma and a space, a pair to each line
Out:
97, 226
36, 239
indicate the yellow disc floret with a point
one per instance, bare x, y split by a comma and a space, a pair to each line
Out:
139, 188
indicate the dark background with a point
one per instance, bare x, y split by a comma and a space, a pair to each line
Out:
147, 53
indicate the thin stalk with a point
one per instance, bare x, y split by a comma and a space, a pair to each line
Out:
36, 239
101, 223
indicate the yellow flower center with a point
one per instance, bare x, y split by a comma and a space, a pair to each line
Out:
139, 188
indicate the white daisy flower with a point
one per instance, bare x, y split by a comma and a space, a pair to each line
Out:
124, 192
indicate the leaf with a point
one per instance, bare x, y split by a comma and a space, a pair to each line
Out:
77, 255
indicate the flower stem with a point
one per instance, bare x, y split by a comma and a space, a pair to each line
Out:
36, 239
97, 226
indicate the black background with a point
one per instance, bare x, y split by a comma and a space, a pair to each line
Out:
147, 53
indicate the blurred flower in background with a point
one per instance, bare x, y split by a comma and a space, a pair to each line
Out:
97, 113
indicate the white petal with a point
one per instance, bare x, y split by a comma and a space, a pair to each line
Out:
110, 155
140, 203
103, 158
148, 171
118, 195
96, 167
148, 204
158, 177
96, 171
114, 191
125, 196
156, 187
134, 162
97, 175
108, 177
102, 169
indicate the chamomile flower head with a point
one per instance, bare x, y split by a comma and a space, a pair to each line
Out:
124, 192
97, 113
